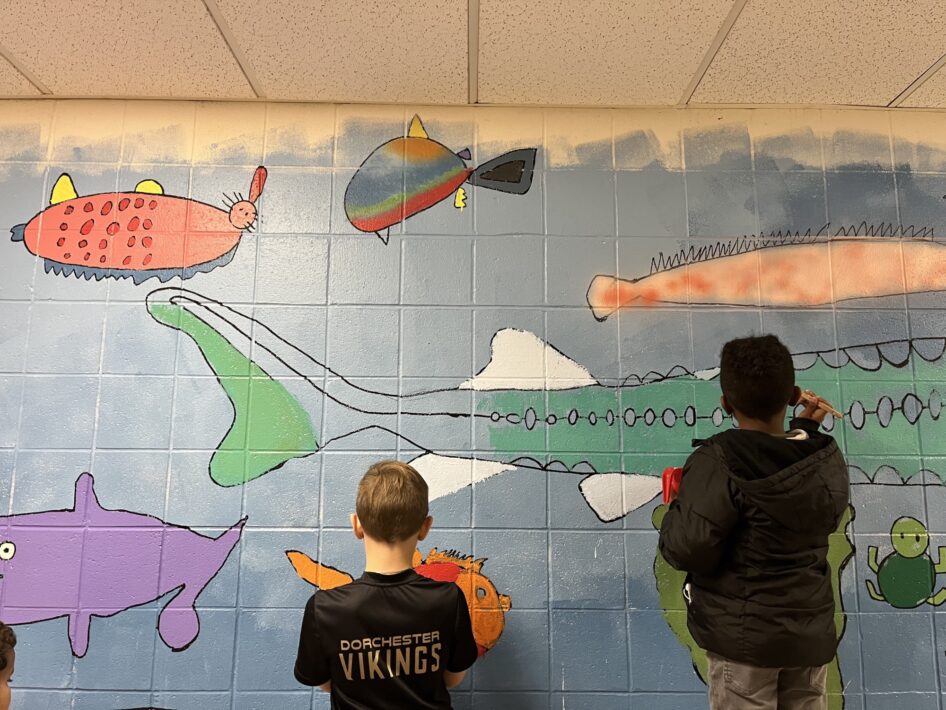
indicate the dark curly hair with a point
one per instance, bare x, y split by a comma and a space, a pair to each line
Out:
7, 644
757, 375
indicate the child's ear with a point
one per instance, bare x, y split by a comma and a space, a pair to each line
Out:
796, 396
356, 527
725, 405
425, 527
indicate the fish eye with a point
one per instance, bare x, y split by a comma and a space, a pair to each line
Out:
480, 593
7, 550
918, 537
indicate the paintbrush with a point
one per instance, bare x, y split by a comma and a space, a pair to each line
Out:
809, 397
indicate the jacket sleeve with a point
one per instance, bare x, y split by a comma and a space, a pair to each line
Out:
695, 528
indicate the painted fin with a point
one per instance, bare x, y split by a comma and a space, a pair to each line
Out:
79, 623
149, 187
87, 502
18, 233
417, 129
63, 190
460, 200
465, 154
315, 573
384, 237
178, 623
613, 495
510, 172
257, 184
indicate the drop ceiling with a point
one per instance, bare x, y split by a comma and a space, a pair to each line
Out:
508, 52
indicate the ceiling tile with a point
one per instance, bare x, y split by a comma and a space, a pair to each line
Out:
356, 50
594, 52
931, 94
12, 83
861, 52
120, 48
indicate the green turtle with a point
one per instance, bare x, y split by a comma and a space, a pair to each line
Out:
907, 576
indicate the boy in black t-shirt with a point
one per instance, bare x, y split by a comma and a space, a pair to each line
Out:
391, 639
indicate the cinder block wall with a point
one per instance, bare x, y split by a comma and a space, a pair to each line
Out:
303, 349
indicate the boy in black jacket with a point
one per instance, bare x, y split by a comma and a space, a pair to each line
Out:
750, 527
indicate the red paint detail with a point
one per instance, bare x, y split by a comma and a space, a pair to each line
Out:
439, 571
86, 257
113, 229
88, 207
480, 650
63, 227
123, 204
147, 224
139, 202
146, 242
61, 241
106, 208
103, 244
67, 255
152, 204
69, 209
131, 241
671, 483
126, 261
87, 226
146, 260
133, 224
415, 204
83, 243
102, 259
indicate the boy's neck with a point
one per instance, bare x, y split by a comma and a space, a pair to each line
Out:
774, 426
386, 558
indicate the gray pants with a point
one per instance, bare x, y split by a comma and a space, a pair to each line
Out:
739, 686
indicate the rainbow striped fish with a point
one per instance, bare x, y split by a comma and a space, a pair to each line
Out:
409, 174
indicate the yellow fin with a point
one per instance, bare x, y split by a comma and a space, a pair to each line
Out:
63, 190
417, 128
150, 187
460, 200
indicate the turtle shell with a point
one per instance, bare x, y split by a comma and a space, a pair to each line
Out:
906, 582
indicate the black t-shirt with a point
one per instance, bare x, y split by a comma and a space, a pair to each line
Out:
385, 640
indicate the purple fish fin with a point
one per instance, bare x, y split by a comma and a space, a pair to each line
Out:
79, 623
87, 503
178, 623
465, 154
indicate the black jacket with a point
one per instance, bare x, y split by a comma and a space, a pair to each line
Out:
751, 526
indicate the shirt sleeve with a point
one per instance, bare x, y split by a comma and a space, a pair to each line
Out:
464, 651
694, 530
312, 665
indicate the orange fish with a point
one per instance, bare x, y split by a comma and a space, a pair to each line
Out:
802, 273
487, 606
139, 235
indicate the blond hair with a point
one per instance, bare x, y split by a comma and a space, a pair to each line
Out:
391, 502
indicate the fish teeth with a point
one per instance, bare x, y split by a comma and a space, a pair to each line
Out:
897, 353
930, 349
866, 357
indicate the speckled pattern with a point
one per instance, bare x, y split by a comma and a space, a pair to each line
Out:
12, 83
932, 94
392, 51
809, 51
123, 48
593, 52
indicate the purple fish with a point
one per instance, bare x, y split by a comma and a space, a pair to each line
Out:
89, 561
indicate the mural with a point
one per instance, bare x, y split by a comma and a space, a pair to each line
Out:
764, 271
91, 561
138, 235
411, 174
487, 606
541, 431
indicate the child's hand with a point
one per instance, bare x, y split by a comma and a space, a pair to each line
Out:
814, 407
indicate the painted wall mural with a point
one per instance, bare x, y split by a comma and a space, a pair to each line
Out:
245, 402
487, 606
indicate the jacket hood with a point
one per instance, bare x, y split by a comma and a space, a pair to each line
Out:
802, 484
